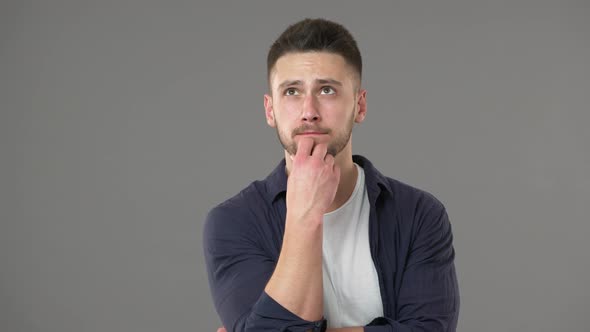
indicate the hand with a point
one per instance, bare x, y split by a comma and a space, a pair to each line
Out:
221, 329
313, 180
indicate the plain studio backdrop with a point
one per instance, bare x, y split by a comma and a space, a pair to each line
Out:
123, 122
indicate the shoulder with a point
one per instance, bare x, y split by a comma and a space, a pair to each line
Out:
409, 196
401, 194
402, 197
236, 214
422, 214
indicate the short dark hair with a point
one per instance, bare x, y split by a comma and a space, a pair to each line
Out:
316, 35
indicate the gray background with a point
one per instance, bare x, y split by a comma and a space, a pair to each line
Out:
123, 122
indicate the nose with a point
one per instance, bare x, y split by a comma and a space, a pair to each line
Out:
310, 110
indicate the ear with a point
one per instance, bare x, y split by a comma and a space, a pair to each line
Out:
269, 111
362, 106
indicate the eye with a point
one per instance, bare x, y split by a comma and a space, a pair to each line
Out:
327, 90
291, 92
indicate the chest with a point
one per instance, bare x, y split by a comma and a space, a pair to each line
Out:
351, 286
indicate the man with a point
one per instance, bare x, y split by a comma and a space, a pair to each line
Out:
326, 240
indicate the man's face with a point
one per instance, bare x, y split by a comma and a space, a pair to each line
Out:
314, 94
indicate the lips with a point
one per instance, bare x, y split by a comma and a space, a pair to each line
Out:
309, 131
305, 131
312, 133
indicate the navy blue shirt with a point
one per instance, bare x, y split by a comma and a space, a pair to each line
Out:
411, 246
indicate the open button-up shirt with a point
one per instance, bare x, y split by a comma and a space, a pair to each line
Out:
411, 245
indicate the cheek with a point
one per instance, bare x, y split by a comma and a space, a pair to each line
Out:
331, 103
334, 106
288, 109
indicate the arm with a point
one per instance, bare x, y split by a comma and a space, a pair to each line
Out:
297, 280
239, 268
427, 291
428, 298
344, 329
250, 292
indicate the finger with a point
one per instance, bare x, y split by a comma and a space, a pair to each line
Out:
221, 329
320, 150
304, 146
336, 170
329, 159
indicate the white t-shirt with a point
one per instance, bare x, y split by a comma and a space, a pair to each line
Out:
351, 286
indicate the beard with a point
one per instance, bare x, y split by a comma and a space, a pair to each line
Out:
334, 147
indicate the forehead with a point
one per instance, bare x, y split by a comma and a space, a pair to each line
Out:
310, 66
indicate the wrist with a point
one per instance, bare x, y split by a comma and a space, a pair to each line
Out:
311, 220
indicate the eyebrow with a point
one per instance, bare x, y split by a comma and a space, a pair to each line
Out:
319, 81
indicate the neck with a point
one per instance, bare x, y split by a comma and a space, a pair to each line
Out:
348, 176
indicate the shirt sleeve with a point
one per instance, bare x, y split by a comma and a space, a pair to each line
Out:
238, 271
428, 298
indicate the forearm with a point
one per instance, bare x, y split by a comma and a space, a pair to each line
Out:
296, 282
347, 329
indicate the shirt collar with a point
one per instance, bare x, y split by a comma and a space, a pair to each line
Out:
276, 181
